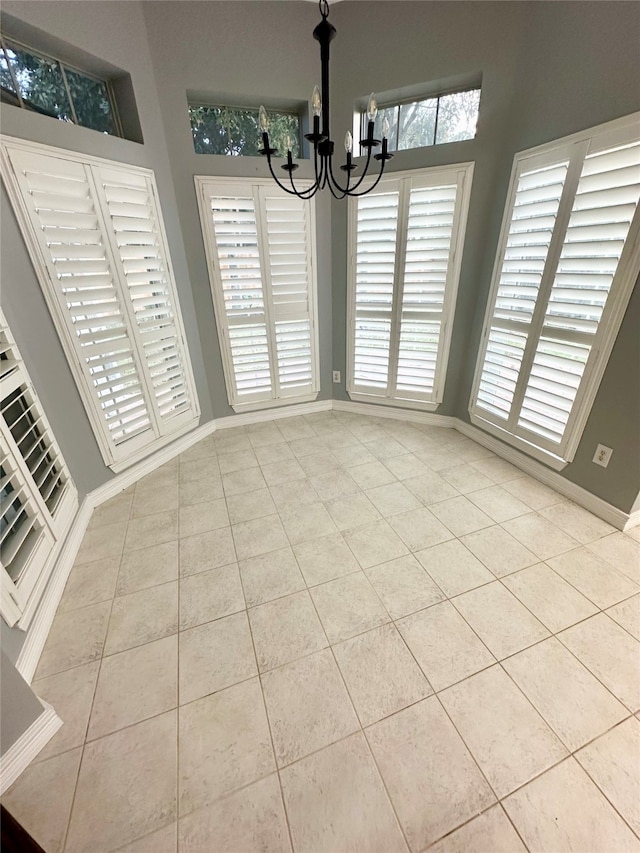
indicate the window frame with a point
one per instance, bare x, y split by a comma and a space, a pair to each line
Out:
9, 43
573, 148
462, 173
252, 187
120, 456
194, 103
20, 597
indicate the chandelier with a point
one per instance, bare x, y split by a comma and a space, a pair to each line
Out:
323, 145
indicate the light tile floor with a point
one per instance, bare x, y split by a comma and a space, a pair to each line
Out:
341, 633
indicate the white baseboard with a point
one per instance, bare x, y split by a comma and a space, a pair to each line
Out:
604, 510
260, 416
395, 413
18, 757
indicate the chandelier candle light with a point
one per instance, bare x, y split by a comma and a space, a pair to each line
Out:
321, 139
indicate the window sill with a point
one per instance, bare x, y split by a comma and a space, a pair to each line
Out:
122, 464
375, 399
545, 456
256, 405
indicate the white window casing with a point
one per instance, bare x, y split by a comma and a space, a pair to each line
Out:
567, 261
39, 499
95, 234
260, 248
405, 250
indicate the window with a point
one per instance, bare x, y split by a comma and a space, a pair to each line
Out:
567, 260
260, 246
418, 123
405, 243
37, 82
236, 130
38, 498
97, 242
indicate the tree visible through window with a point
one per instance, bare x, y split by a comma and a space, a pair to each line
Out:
236, 131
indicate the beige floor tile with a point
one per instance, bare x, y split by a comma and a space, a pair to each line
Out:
549, 597
258, 536
348, 606
507, 737
385, 447
152, 499
206, 551
501, 622
577, 522
469, 450
375, 543
490, 832
201, 450
439, 458
199, 469
324, 559
419, 528
453, 567
126, 787
246, 480
621, 552
627, 614
289, 497
465, 478
406, 466
563, 810
460, 516
308, 522
270, 576
263, 434
116, 509
499, 551
224, 744
247, 820
404, 586
31, 803
540, 535
352, 511
319, 462
380, 673
295, 429
210, 595
90, 583
208, 515
575, 705
335, 800
429, 773
430, 488
165, 475
148, 567
151, 530
238, 460
232, 440
633, 533
352, 455
76, 637
371, 475
164, 840
141, 617
334, 484
498, 503
195, 491
135, 685
250, 505
215, 656
594, 577
444, 645
286, 629
284, 471
612, 762
100, 542
307, 705
532, 492
393, 498
610, 653
498, 470
70, 693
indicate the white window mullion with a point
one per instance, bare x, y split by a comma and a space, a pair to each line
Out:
398, 285
265, 271
546, 283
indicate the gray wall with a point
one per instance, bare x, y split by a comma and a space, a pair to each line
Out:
20, 706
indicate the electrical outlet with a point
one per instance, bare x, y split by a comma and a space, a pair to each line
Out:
336, 376
602, 455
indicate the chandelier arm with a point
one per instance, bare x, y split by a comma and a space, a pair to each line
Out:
303, 194
373, 185
352, 191
277, 180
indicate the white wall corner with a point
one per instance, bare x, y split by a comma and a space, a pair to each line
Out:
18, 757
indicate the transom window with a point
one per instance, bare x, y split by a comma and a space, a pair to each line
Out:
567, 261
34, 81
235, 131
418, 123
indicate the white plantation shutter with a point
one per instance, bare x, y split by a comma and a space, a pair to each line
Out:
406, 242
97, 240
260, 249
38, 496
577, 259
